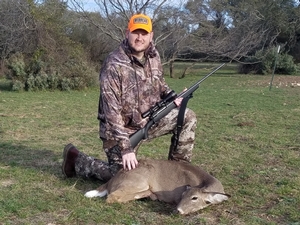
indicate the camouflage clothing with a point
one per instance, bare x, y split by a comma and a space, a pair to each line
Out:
128, 89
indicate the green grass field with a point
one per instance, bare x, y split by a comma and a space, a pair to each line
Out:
247, 136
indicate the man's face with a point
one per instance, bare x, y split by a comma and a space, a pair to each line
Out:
139, 40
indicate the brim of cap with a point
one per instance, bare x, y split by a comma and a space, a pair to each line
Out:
140, 26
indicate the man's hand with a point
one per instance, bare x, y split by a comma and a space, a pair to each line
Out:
178, 101
129, 161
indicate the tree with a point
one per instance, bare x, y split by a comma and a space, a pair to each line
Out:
237, 29
55, 35
48, 57
17, 28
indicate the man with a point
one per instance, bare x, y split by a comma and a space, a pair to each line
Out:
131, 82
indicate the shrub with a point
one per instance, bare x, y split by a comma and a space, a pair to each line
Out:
42, 73
18, 86
286, 65
37, 82
263, 63
16, 67
53, 80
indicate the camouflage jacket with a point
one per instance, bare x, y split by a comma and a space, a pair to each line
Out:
127, 89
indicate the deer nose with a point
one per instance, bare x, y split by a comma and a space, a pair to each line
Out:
179, 210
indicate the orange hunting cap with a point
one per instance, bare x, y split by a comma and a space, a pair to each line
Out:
140, 21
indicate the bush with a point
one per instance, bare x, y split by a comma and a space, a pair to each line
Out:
53, 80
263, 63
16, 67
18, 86
41, 73
286, 65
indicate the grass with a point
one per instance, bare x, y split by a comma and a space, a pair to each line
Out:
247, 136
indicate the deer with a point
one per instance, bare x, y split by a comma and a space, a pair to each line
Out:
175, 182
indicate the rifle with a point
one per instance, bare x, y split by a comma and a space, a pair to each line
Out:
162, 108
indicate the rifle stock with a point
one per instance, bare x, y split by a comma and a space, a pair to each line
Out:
141, 134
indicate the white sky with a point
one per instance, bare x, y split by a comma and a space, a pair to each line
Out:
90, 5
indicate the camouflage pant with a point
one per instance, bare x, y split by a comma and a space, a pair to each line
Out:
87, 166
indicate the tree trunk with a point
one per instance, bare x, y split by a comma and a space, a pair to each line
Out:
171, 67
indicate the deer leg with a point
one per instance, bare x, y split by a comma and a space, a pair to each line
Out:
143, 194
129, 192
122, 196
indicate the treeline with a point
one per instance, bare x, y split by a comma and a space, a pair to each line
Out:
55, 44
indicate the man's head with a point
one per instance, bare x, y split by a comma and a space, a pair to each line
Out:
139, 34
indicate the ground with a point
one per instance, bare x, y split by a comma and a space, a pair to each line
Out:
279, 81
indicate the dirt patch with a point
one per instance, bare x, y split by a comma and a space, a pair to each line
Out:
6, 183
280, 81
286, 81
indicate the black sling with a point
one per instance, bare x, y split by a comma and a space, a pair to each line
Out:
180, 119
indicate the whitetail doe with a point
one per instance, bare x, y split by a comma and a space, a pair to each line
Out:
184, 184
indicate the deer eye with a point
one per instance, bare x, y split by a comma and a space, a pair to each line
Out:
194, 198
207, 202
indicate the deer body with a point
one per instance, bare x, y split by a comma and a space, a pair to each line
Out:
184, 184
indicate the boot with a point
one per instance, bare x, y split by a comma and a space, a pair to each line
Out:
70, 155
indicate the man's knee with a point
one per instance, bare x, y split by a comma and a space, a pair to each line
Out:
190, 115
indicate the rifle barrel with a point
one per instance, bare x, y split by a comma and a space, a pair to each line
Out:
195, 86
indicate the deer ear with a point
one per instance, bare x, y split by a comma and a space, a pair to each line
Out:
215, 198
187, 187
